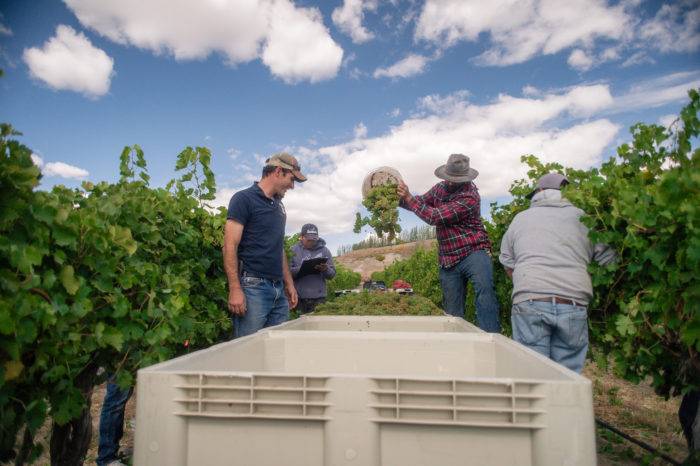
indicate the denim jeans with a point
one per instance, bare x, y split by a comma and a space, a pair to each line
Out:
265, 303
112, 423
478, 269
558, 331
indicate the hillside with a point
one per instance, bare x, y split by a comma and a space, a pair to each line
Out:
370, 260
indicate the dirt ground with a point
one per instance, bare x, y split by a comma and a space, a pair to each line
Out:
368, 261
638, 412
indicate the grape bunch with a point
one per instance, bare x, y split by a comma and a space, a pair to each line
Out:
382, 202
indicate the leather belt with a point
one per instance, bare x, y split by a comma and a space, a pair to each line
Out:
558, 300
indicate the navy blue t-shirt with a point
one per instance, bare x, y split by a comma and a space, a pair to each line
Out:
262, 241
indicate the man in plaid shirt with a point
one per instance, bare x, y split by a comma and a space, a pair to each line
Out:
454, 207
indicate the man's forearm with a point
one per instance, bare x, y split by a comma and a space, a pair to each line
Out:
286, 274
231, 266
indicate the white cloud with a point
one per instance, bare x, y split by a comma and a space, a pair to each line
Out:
291, 41
394, 113
348, 18
69, 61
675, 28
580, 60
411, 65
667, 120
4, 30
63, 170
299, 46
520, 30
596, 31
657, 92
38, 161
360, 131
494, 135
530, 91
637, 58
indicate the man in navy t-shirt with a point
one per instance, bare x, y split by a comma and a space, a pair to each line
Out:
261, 289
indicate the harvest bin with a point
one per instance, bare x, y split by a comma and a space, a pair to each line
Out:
424, 391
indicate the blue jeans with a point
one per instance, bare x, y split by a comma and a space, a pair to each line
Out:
478, 269
112, 422
558, 331
265, 303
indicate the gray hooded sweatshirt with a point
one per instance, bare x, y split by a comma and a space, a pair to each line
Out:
548, 249
313, 285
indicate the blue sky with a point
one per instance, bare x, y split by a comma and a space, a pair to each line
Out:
345, 85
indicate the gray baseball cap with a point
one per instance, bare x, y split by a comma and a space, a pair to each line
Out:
310, 231
549, 181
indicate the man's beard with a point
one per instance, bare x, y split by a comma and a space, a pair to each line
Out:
454, 187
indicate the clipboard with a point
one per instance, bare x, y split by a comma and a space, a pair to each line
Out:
308, 266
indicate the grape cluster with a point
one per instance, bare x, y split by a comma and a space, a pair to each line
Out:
382, 203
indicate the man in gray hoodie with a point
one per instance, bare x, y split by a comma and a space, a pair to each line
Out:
546, 252
311, 283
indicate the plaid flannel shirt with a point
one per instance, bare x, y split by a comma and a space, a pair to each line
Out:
457, 219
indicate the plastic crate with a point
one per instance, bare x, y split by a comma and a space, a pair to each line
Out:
380, 324
312, 393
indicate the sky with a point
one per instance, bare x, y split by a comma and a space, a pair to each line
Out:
344, 85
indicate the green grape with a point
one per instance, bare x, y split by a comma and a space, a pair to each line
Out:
382, 202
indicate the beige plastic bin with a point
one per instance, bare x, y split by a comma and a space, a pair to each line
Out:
308, 393
380, 324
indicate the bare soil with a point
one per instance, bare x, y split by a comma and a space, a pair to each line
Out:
368, 261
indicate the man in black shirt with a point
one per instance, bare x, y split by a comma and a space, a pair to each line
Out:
261, 289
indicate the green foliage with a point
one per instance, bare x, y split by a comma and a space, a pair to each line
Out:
420, 270
645, 203
345, 279
289, 242
372, 304
382, 202
110, 275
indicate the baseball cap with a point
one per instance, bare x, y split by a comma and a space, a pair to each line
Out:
549, 181
285, 160
310, 231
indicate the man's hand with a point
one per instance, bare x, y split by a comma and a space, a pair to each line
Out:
236, 301
321, 267
403, 192
509, 272
292, 297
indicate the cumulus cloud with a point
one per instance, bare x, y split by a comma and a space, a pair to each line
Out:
360, 131
59, 169
674, 28
4, 30
69, 61
63, 170
291, 41
521, 30
558, 126
580, 60
348, 18
299, 46
596, 31
411, 65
